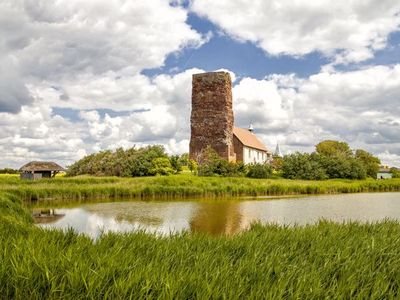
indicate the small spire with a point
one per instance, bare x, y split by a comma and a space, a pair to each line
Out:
251, 129
278, 152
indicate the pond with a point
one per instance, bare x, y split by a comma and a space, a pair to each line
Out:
218, 216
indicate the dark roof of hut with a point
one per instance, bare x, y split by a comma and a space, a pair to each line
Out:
37, 166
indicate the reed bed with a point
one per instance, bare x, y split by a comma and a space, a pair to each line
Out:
181, 186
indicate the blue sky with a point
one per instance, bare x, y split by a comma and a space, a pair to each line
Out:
245, 59
76, 78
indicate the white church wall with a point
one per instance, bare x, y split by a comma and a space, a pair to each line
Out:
251, 156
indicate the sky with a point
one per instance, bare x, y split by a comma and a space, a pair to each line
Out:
77, 77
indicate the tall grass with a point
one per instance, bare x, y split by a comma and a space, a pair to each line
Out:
322, 261
325, 260
181, 186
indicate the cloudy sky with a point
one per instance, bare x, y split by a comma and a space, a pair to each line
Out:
81, 76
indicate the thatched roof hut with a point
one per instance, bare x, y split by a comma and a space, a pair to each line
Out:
40, 169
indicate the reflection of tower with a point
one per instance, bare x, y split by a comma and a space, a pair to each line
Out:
217, 218
212, 114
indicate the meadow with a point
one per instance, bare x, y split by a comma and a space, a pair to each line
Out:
325, 260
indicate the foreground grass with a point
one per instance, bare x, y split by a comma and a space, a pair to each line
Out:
181, 186
326, 260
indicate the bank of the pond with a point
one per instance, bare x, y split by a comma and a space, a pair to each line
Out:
326, 260
182, 186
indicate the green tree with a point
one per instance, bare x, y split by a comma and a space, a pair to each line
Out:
395, 172
176, 163
303, 166
331, 148
370, 162
184, 159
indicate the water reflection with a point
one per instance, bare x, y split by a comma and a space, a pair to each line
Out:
222, 217
217, 218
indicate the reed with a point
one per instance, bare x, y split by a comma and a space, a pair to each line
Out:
181, 186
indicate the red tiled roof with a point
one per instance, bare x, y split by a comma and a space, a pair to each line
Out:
248, 139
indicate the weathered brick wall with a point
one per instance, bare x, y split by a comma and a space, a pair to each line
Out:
212, 114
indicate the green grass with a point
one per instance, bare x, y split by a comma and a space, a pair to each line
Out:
181, 186
325, 260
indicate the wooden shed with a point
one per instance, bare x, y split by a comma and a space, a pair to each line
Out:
40, 169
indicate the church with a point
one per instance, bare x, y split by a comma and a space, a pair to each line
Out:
212, 122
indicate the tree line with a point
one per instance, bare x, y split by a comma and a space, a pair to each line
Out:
331, 159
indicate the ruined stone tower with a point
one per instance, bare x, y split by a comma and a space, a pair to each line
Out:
212, 114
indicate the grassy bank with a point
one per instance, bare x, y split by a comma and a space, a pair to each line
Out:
181, 186
322, 261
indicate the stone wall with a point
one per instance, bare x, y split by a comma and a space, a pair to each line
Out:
212, 115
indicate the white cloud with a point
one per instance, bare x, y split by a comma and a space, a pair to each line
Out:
359, 107
81, 48
346, 30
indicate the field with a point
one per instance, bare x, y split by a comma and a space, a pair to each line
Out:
325, 260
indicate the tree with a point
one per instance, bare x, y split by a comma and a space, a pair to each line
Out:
303, 166
184, 159
176, 163
370, 162
331, 148
395, 172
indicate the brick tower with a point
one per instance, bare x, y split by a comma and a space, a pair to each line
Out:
212, 115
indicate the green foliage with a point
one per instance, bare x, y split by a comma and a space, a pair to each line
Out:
331, 148
303, 166
124, 163
192, 165
259, 171
184, 159
212, 164
176, 163
370, 162
277, 163
161, 166
395, 172
8, 171
332, 159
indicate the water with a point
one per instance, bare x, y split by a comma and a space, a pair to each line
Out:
221, 216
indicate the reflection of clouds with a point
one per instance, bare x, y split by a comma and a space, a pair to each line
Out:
225, 217
339, 208
153, 217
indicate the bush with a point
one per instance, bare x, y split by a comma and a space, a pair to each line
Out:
259, 171
125, 163
303, 166
176, 163
161, 166
210, 163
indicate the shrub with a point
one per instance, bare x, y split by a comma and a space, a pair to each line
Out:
125, 163
161, 166
259, 171
210, 163
176, 163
